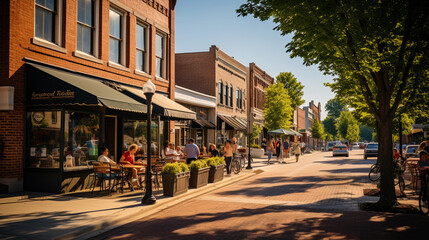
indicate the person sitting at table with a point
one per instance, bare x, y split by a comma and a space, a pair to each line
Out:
129, 158
203, 150
179, 151
164, 150
171, 153
423, 164
104, 156
213, 152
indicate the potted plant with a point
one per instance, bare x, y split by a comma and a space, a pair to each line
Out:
175, 179
256, 151
199, 174
217, 168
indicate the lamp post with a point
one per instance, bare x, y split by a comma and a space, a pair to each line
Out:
148, 90
250, 128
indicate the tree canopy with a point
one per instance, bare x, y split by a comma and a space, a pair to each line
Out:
334, 107
377, 51
365, 133
277, 107
329, 126
294, 88
346, 120
317, 130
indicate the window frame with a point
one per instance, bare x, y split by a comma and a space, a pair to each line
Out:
146, 46
94, 29
220, 92
225, 94
164, 55
57, 29
123, 39
231, 95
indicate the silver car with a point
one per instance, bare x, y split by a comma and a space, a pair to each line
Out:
340, 150
371, 150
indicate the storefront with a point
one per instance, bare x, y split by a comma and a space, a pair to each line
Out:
229, 127
69, 116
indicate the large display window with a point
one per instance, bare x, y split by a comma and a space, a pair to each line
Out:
135, 132
44, 139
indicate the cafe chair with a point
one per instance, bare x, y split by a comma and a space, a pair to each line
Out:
156, 173
102, 173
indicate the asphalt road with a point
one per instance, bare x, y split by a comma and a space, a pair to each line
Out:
316, 198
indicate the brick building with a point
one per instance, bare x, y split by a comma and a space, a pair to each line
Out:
312, 112
258, 81
74, 70
217, 74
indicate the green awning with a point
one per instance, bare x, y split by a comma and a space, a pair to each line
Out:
281, 131
48, 86
162, 105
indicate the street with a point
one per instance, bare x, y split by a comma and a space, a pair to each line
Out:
316, 198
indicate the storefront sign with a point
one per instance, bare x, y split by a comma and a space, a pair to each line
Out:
58, 94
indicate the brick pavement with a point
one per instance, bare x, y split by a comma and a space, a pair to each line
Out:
315, 198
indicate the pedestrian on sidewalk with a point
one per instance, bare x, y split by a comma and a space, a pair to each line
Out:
285, 148
270, 150
278, 145
302, 146
228, 154
297, 151
191, 151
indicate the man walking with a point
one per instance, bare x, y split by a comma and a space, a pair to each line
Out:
285, 148
191, 151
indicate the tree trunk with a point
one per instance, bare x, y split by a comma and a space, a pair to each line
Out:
385, 157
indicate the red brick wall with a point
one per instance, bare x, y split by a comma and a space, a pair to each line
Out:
196, 71
20, 47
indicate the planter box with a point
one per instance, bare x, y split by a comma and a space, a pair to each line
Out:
216, 173
199, 177
257, 152
175, 184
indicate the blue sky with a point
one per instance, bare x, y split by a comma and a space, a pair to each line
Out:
202, 23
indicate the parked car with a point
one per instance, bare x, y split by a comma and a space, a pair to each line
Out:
422, 146
410, 151
340, 150
371, 150
331, 145
355, 146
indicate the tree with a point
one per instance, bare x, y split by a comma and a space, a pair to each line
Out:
365, 133
277, 107
378, 51
317, 130
345, 120
294, 88
255, 132
353, 132
329, 126
334, 107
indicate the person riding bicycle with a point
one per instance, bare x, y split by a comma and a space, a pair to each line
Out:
423, 165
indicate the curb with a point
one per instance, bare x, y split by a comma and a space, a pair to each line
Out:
104, 226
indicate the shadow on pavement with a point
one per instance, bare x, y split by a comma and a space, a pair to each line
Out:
305, 223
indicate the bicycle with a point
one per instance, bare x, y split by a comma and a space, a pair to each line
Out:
423, 196
375, 173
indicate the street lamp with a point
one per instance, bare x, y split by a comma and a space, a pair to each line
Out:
148, 90
250, 130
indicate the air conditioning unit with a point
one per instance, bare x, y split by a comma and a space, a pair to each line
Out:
6, 97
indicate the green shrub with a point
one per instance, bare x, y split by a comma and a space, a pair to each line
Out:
211, 162
184, 167
198, 164
220, 160
255, 146
171, 168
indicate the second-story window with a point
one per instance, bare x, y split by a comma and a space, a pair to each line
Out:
141, 47
230, 96
237, 96
225, 94
115, 37
160, 55
85, 26
45, 22
220, 94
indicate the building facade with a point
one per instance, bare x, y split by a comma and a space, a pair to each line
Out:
74, 71
217, 74
312, 112
258, 81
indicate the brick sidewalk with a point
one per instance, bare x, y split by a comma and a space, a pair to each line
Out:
315, 198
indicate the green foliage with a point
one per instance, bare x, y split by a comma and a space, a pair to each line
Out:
353, 132
329, 137
215, 161
365, 133
317, 130
184, 167
277, 107
294, 88
255, 133
329, 126
171, 168
198, 164
334, 107
345, 120
255, 146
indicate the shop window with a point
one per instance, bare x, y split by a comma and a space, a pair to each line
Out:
135, 132
44, 139
81, 138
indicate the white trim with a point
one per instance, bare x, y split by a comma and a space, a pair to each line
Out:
87, 56
46, 44
118, 66
141, 73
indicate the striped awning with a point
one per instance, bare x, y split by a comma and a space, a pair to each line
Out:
235, 122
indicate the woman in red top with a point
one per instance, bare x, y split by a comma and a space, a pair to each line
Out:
129, 158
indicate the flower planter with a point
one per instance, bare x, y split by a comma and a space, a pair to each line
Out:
175, 184
216, 173
257, 152
199, 177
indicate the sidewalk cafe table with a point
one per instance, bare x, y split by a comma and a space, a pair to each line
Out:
127, 173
